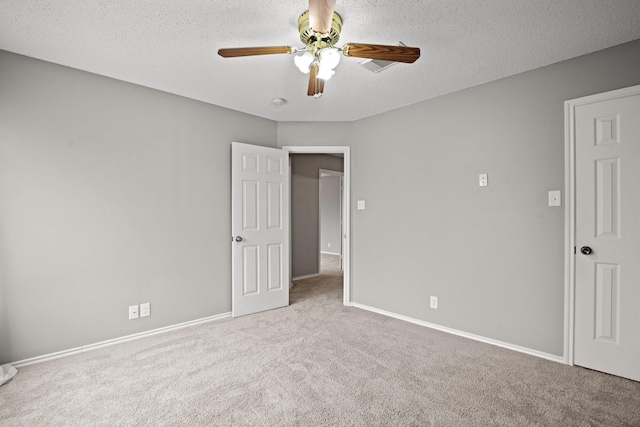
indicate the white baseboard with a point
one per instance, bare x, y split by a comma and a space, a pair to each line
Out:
525, 350
306, 276
330, 253
102, 344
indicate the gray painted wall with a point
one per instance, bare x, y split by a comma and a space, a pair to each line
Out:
330, 229
494, 256
111, 194
315, 133
305, 218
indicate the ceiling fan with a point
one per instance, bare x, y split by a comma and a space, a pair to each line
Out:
320, 28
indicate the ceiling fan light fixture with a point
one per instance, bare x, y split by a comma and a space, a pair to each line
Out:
304, 61
329, 57
320, 57
325, 72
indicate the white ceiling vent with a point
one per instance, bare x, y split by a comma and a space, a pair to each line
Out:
376, 65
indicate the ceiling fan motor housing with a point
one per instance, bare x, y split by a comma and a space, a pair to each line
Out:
315, 40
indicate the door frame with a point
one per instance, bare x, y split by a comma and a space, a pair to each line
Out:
570, 211
346, 202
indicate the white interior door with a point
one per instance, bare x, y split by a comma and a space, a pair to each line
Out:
260, 228
607, 235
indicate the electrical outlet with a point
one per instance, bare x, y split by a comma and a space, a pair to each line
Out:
483, 180
145, 309
133, 312
434, 302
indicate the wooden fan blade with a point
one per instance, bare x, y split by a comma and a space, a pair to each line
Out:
382, 52
251, 51
316, 85
321, 14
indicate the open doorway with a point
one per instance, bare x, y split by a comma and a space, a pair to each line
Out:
340, 153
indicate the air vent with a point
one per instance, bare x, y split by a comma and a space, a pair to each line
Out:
376, 65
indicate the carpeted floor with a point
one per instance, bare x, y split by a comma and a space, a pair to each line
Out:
314, 363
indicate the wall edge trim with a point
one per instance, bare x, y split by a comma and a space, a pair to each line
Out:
114, 341
508, 346
305, 276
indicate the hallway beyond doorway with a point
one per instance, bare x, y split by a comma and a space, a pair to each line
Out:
330, 265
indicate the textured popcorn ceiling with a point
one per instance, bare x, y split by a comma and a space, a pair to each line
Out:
171, 45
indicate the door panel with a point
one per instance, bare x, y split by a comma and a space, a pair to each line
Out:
260, 228
607, 286
274, 274
250, 268
274, 221
607, 201
607, 303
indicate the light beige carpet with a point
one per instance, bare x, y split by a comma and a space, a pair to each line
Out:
314, 363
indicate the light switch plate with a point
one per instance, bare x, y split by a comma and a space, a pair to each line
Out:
145, 309
555, 198
361, 205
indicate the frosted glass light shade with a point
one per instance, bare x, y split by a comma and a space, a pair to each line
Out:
329, 57
303, 62
325, 72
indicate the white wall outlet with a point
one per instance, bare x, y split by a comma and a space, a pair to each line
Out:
433, 302
133, 312
145, 309
328, 245
555, 198
361, 205
483, 180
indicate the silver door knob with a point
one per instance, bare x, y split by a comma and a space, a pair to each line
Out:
238, 239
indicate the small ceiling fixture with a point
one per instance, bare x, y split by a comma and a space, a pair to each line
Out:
319, 29
278, 101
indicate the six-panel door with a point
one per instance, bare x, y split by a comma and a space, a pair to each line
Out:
260, 228
607, 286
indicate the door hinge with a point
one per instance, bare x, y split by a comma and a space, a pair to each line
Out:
574, 250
